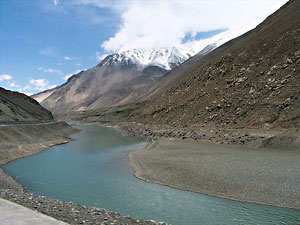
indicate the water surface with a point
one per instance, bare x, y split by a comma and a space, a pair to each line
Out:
94, 171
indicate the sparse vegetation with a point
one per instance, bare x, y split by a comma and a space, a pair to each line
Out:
127, 110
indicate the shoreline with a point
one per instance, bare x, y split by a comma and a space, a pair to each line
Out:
22, 140
215, 196
262, 141
64, 209
141, 171
25, 150
256, 146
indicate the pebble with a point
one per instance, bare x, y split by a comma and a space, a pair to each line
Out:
69, 212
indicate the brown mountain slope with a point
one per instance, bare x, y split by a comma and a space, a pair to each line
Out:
254, 81
15, 106
101, 86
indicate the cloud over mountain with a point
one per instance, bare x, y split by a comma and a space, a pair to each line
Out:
152, 24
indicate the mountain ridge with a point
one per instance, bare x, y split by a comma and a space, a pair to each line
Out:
122, 78
251, 81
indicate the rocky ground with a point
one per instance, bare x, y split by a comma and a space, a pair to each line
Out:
69, 212
262, 176
269, 138
288, 139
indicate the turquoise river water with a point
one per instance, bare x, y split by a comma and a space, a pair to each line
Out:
94, 171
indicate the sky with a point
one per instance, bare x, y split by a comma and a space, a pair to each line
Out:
43, 42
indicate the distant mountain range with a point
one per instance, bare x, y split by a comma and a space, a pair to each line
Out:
122, 78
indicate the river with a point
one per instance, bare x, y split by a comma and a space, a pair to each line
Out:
94, 171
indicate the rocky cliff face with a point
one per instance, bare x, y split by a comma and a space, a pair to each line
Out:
15, 106
252, 81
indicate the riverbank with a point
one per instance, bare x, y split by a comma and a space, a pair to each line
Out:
12, 213
250, 165
173, 159
23, 150
21, 140
251, 175
69, 212
268, 136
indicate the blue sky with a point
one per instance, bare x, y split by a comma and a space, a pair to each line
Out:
40, 42
44, 41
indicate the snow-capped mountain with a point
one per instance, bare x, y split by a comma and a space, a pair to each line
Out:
195, 47
124, 77
165, 58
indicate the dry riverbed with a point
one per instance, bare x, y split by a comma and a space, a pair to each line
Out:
253, 175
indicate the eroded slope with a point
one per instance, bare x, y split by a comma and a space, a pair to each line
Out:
255, 82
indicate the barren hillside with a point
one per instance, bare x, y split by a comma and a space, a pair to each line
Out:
253, 81
16, 106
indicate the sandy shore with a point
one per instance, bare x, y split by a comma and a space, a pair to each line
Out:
235, 172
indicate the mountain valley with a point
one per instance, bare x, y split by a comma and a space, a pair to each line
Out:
219, 117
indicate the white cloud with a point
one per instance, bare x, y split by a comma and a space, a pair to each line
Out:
27, 87
39, 84
67, 58
68, 76
48, 52
164, 23
5, 77
13, 84
77, 64
26, 93
71, 74
78, 71
49, 70
100, 57
55, 2
52, 86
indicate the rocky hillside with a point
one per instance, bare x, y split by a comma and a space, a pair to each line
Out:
102, 86
123, 78
252, 81
15, 106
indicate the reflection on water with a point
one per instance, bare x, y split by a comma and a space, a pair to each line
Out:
94, 171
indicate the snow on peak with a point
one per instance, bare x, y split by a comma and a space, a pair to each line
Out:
166, 58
